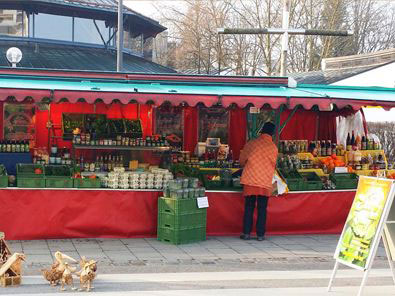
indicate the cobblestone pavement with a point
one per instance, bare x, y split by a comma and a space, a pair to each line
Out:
216, 253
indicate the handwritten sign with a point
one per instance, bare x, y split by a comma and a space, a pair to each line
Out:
202, 202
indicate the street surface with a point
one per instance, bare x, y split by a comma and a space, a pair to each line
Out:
280, 265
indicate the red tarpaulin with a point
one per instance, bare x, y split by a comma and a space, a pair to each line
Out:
115, 110
42, 214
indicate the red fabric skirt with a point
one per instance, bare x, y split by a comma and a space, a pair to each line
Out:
255, 190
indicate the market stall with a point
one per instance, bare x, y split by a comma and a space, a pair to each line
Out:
104, 146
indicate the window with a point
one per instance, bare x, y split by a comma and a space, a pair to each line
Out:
53, 27
85, 31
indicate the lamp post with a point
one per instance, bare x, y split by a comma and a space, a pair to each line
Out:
120, 37
14, 56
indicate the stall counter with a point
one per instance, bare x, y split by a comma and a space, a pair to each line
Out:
91, 213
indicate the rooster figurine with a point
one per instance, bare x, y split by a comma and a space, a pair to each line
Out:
87, 274
67, 277
54, 274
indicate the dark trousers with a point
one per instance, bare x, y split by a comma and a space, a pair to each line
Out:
249, 206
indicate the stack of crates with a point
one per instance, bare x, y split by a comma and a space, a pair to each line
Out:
180, 221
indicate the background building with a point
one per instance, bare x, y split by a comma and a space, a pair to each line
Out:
76, 35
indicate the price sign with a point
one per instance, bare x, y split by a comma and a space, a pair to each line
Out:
202, 202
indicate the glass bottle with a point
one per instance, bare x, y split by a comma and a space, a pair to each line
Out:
348, 143
329, 148
363, 143
13, 146
352, 139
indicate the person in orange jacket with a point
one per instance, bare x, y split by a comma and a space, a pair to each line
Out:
259, 158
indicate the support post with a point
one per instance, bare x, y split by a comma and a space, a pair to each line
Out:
288, 119
387, 252
333, 276
285, 38
277, 121
363, 283
120, 37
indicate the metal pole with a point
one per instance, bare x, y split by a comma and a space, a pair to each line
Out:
120, 37
284, 45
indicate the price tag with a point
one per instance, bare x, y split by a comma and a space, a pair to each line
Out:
339, 170
202, 202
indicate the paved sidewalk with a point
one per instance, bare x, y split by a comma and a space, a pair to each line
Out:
149, 254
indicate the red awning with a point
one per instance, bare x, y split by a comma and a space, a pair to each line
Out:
126, 98
21, 95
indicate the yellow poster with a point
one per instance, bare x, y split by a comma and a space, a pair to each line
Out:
364, 222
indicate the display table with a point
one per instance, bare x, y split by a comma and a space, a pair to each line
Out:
77, 213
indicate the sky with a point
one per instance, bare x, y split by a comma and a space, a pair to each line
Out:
149, 8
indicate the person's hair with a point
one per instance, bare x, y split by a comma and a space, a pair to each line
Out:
268, 128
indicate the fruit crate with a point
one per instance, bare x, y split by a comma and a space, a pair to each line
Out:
86, 183
26, 178
27, 170
344, 180
59, 182
293, 179
175, 206
214, 184
3, 177
311, 181
30, 182
58, 176
182, 236
180, 221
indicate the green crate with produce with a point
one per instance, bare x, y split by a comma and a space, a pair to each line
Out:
58, 176
30, 175
344, 180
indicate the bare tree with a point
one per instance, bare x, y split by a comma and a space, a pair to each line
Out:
199, 47
385, 131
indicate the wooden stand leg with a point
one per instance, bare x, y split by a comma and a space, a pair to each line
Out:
387, 252
333, 276
363, 283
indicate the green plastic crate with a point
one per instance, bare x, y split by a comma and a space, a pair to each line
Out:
293, 179
182, 221
87, 183
30, 182
26, 170
214, 185
344, 180
182, 236
58, 171
3, 181
311, 181
175, 206
3, 177
59, 182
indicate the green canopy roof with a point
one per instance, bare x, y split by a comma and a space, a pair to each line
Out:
158, 89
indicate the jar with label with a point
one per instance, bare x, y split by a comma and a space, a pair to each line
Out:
193, 183
191, 193
202, 192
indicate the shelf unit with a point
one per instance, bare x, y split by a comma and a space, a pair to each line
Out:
120, 148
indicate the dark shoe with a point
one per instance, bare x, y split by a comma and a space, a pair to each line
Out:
245, 236
260, 238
